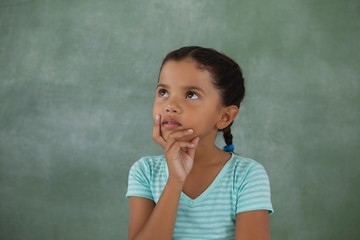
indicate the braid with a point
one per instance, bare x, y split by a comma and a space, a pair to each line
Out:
227, 135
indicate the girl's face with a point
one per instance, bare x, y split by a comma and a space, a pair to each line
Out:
186, 98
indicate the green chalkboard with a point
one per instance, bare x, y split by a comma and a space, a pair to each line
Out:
77, 81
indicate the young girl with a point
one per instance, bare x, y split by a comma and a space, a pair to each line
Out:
196, 190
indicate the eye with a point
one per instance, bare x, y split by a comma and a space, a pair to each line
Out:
163, 92
192, 95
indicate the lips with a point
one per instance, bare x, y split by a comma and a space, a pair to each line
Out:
170, 124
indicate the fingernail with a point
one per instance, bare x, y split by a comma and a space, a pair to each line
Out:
157, 117
190, 130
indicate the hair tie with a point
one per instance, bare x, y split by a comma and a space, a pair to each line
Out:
229, 148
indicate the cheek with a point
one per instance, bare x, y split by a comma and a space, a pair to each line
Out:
205, 120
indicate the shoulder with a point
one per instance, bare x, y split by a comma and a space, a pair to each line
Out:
244, 164
251, 184
150, 161
246, 169
148, 164
141, 176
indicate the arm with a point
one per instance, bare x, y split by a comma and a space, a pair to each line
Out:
252, 225
150, 221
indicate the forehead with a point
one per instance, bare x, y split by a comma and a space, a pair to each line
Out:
186, 71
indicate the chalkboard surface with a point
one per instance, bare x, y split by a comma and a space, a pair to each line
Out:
77, 81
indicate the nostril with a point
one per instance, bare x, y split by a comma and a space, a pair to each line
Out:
172, 109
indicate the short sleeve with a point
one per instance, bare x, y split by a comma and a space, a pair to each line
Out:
254, 190
139, 180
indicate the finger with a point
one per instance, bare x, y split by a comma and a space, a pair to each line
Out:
175, 137
185, 145
194, 143
180, 147
180, 134
188, 147
156, 135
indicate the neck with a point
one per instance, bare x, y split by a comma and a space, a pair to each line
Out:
209, 155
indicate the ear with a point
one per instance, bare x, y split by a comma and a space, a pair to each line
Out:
228, 115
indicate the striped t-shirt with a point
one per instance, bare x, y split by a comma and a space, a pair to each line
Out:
242, 185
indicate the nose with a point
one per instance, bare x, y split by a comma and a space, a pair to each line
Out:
172, 108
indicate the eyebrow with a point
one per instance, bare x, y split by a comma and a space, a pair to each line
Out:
162, 85
185, 88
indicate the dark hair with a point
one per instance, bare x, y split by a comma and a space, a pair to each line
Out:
227, 75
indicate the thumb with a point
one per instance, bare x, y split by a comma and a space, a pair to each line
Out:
195, 142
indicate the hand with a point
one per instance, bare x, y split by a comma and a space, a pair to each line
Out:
179, 153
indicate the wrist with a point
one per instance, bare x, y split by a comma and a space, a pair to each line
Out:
175, 184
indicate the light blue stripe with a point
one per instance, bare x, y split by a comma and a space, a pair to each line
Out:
243, 186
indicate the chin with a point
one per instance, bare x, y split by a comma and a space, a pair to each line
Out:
187, 138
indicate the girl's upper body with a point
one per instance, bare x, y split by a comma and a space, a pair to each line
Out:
197, 190
241, 186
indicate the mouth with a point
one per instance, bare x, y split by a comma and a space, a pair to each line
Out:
170, 124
